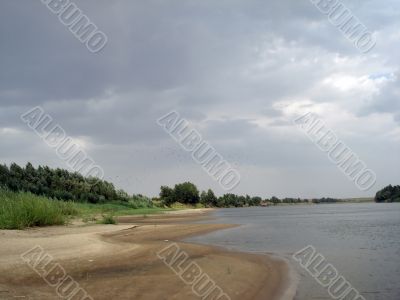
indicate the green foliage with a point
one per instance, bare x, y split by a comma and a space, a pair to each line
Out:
19, 210
140, 201
68, 208
388, 194
276, 201
89, 211
232, 200
208, 199
60, 184
324, 200
228, 200
167, 195
199, 205
108, 219
178, 206
186, 193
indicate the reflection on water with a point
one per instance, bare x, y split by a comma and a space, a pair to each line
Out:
361, 240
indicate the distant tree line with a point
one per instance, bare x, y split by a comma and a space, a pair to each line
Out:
60, 184
326, 200
72, 186
388, 194
274, 200
188, 193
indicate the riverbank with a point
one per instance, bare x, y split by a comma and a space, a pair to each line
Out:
121, 262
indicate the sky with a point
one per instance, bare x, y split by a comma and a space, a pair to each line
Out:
239, 71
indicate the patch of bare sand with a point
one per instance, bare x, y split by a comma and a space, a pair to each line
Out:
120, 261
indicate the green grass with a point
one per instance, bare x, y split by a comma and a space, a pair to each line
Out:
88, 210
21, 210
108, 219
178, 206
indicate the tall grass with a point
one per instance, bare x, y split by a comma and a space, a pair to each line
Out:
108, 219
21, 210
116, 209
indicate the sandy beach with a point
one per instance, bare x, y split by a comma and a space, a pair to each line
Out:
121, 262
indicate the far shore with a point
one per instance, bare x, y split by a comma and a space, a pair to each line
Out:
120, 261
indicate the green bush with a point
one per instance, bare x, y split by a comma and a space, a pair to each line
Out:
108, 219
140, 201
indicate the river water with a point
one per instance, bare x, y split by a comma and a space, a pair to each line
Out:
362, 241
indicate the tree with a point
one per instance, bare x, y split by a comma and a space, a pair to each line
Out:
4, 176
255, 201
186, 193
228, 200
388, 194
275, 200
167, 195
122, 195
208, 198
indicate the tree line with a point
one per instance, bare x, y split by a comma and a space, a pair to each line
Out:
58, 183
325, 200
72, 186
188, 193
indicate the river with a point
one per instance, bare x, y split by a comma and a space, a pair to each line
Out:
362, 241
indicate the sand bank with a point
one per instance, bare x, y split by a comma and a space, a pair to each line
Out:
121, 262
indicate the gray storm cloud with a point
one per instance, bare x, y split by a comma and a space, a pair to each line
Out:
239, 71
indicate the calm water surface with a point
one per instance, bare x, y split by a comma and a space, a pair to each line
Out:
361, 240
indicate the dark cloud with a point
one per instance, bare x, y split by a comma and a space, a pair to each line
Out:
237, 70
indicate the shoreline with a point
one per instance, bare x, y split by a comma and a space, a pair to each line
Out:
120, 261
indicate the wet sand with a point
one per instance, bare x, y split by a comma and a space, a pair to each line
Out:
121, 262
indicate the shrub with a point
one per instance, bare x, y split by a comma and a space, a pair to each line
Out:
108, 219
140, 201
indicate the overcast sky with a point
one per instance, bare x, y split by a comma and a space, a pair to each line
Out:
238, 70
